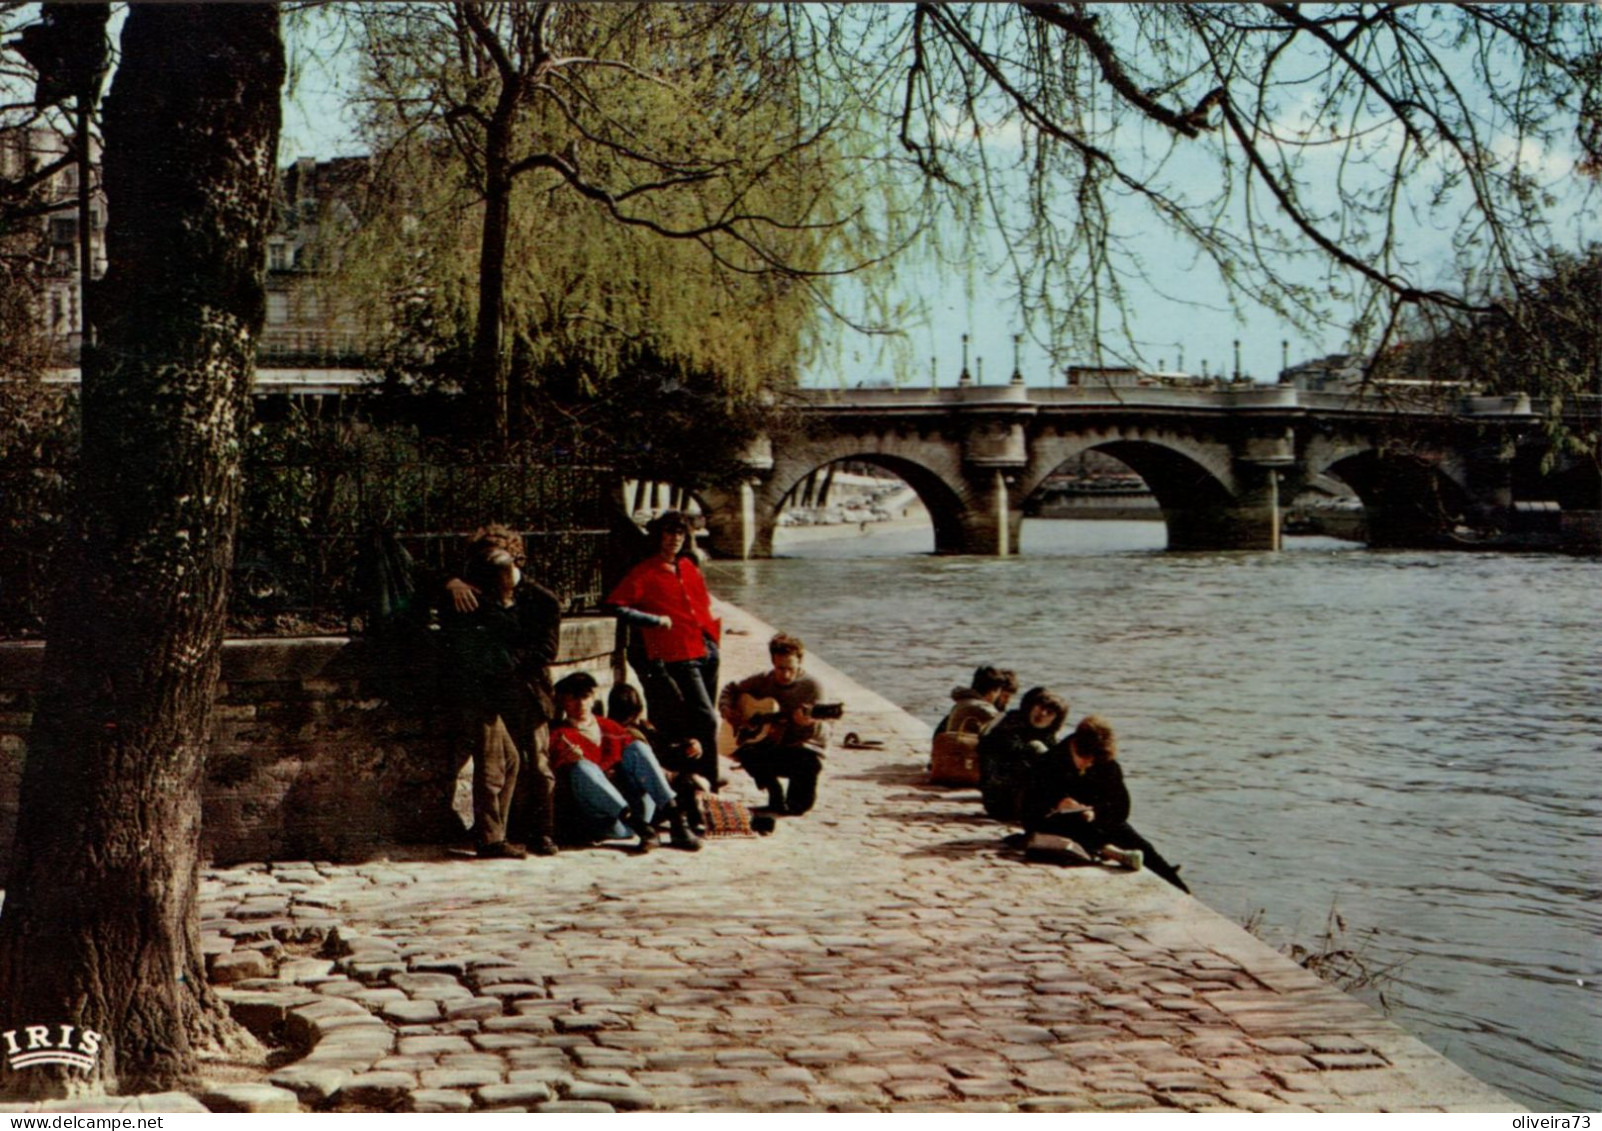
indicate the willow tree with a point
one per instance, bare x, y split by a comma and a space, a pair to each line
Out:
99, 932
626, 181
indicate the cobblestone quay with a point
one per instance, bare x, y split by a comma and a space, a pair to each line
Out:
882, 953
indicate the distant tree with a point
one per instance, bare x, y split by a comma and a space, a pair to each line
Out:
1538, 333
99, 928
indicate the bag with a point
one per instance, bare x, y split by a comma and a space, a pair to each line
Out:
954, 758
1049, 849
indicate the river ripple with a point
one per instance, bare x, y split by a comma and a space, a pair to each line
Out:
1409, 739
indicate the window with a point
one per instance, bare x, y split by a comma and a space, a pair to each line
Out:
277, 257
277, 308
63, 229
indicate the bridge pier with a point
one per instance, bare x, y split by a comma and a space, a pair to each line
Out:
735, 527
1248, 521
991, 526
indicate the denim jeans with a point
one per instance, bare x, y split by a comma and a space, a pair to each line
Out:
637, 782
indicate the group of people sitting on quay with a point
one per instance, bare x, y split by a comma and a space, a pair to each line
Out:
550, 767
1070, 788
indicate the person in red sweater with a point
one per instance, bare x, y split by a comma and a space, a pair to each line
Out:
614, 781
665, 598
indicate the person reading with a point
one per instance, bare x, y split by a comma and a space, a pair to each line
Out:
1077, 791
779, 728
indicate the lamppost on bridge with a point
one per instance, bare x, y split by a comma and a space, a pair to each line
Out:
1017, 372
965, 379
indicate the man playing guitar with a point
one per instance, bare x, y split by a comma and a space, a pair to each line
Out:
776, 718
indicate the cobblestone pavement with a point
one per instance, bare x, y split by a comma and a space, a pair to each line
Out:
881, 953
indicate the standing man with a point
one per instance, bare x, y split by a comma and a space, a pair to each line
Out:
502, 634
771, 714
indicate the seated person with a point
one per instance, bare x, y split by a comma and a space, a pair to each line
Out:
686, 768
982, 703
613, 781
792, 743
1009, 749
1077, 791
954, 748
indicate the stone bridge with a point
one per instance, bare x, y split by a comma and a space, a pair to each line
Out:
1218, 461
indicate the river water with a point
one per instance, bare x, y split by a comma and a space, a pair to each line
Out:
1409, 741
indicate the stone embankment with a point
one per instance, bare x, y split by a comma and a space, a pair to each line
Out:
882, 953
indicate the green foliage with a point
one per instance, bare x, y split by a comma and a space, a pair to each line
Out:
1539, 334
671, 213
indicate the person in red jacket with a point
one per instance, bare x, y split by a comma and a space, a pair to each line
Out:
614, 781
665, 598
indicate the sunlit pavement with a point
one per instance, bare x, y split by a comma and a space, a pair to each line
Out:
881, 953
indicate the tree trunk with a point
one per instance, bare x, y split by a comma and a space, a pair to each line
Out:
488, 378
99, 929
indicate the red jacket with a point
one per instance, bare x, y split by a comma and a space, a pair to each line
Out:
657, 588
569, 744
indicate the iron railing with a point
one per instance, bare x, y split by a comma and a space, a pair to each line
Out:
311, 513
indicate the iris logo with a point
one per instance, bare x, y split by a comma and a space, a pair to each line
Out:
34, 1045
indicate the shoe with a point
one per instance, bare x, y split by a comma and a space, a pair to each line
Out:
648, 841
763, 824
502, 850
1015, 840
544, 846
1131, 859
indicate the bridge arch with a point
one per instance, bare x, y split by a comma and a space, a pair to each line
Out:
1194, 483
1407, 501
1410, 498
742, 521
944, 504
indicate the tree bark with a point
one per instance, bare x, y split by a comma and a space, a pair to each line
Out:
99, 929
488, 368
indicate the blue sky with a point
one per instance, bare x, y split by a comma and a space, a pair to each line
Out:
1182, 318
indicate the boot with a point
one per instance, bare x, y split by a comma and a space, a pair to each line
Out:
683, 836
642, 829
685, 798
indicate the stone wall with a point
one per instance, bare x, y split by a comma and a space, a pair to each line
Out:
323, 748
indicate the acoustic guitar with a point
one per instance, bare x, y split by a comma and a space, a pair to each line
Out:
760, 719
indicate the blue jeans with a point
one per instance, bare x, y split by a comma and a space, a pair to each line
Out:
637, 782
